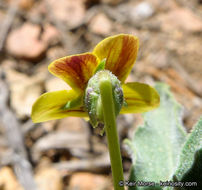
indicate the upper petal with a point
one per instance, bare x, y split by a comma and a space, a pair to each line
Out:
120, 52
139, 98
50, 106
75, 70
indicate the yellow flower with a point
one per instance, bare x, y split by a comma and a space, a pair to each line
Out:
119, 52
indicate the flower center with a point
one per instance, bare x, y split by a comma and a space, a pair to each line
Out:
92, 99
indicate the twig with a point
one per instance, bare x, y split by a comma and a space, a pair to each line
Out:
15, 139
3, 141
7, 23
98, 164
191, 84
28, 126
76, 143
6, 158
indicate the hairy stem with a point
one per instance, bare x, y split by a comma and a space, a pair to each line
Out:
111, 131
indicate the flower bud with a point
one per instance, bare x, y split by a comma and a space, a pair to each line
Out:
93, 102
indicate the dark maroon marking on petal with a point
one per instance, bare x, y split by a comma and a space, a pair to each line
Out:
76, 64
113, 46
127, 53
62, 68
77, 68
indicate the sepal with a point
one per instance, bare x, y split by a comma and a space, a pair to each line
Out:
93, 103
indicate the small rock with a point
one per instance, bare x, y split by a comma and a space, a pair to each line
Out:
101, 24
72, 124
26, 4
54, 84
69, 12
163, 5
8, 64
49, 125
83, 181
181, 19
49, 179
37, 13
22, 4
24, 42
8, 180
24, 91
55, 52
50, 35
27, 41
141, 11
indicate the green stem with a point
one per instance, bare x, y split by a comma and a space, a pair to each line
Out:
111, 131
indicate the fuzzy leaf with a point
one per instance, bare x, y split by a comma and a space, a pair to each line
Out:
156, 145
190, 167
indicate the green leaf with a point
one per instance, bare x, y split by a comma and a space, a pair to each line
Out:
156, 145
194, 175
190, 167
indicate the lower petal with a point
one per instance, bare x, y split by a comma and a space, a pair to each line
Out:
139, 98
50, 106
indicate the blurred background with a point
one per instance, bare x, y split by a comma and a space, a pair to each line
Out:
67, 154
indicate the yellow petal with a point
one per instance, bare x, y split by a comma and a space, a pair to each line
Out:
75, 70
50, 106
120, 52
139, 98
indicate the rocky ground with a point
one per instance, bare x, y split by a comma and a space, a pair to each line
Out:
67, 154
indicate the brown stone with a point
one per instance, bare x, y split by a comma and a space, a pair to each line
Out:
50, 35
69, 12
101, 24
164, 5
49, 179
54, 84
8, 180
28, 42
24, 42
24, 91
26, 4
22, 4
84, 181
181, 19
55, 52
72, 124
